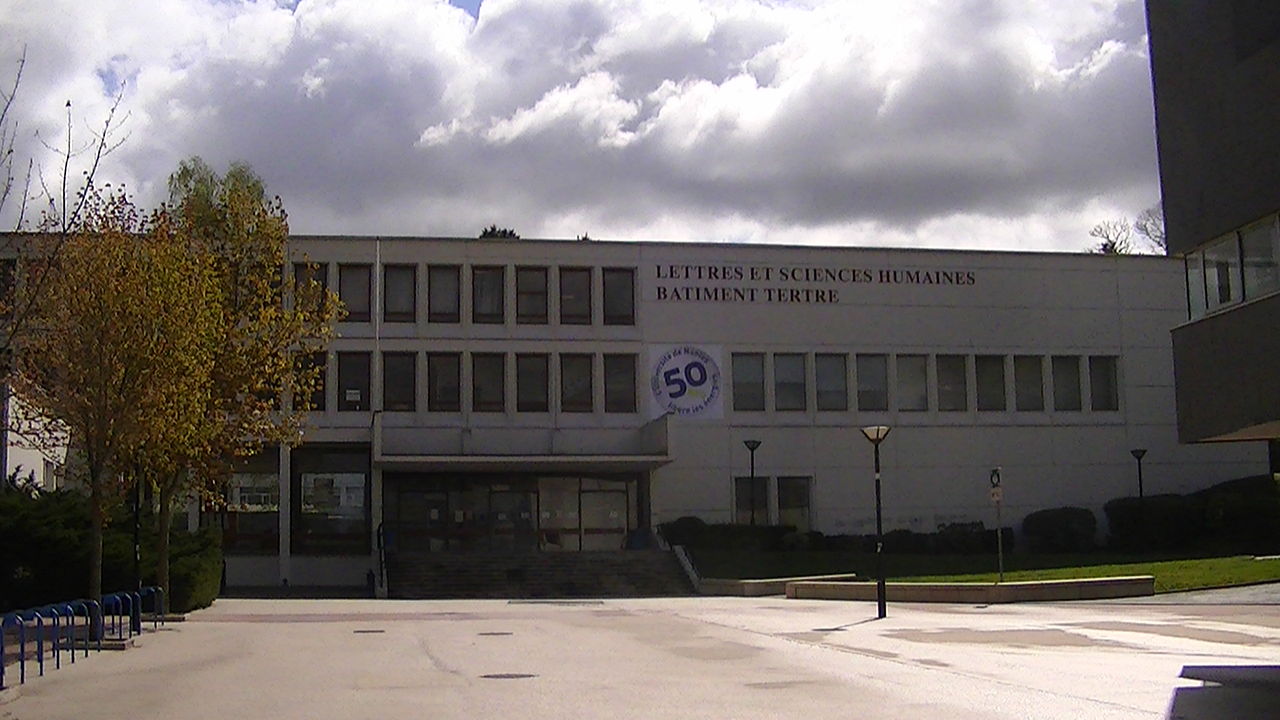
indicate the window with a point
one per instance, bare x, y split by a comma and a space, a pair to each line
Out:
832, 378
1260, 243
1066, 382
488, 382
575, 296
990, 372
793, 503
953, 383
1222, 272
748, 381
1195, 285
531, 295
789, 390
575, 383
442, 293
253, 507
1104, 388
619, 296
1028, 383
619, 383
311, 280
399, 381
330, 501
353, 381
913, 382
873, 382
488, 288
751, 500
353, 290
315, 361
444, 382
400, 293
531, 383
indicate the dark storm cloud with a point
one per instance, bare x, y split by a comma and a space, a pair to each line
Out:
854, 121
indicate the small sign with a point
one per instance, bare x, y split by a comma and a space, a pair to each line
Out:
997, 494
353, 395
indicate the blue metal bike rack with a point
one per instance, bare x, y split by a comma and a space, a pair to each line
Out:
157, 607
14, 619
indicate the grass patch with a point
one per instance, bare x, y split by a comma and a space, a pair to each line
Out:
1172, 572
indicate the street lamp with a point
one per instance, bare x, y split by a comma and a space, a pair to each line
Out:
751, 448
1137, 454
876, 434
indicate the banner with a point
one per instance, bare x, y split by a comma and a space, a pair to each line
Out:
685, 380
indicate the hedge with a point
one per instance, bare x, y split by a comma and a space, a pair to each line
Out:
956, 538
1060, 530
44, 553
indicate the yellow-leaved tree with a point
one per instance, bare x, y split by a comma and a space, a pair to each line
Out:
122, 345
268, 327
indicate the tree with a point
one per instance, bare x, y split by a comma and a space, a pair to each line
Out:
1150, 225
122, 345
1113, 236
263, 340
495, 232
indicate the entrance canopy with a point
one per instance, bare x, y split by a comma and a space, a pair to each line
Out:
546, 464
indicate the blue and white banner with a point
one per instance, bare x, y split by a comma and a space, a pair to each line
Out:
685, 380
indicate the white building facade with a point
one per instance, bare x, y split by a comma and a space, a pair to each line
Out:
557, 396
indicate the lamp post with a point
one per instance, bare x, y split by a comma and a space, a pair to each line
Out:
1137, 454
752, 445
876, 434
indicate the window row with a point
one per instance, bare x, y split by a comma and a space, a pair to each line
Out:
754, 504
1239, 266
532, 292
575, 377
949, 383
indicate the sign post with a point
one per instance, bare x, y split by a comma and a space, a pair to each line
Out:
997, 497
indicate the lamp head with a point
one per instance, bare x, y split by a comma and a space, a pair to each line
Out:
876, 433
751, 444
1137, 453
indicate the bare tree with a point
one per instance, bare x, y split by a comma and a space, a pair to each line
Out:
1115, 237
1150, 225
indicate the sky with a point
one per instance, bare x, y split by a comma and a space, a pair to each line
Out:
1008, 124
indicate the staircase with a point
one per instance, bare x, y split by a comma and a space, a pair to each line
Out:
621, 573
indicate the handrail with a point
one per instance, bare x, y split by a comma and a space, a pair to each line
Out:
382, 557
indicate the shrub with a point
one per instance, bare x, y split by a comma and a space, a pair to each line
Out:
1157, 522
683, 531
1064, 529
44, 553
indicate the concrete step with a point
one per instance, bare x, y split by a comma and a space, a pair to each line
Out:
537, 575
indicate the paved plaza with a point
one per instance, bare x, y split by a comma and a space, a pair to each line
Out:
659, 658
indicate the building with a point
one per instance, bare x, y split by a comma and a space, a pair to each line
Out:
564, 395
1216, 74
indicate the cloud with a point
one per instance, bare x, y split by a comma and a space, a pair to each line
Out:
917, 122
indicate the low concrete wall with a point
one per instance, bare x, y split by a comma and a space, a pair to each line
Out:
758, 588
978, 593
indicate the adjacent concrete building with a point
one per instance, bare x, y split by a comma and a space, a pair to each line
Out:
557, 396
1216, 71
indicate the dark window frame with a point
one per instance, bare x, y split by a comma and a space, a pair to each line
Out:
740, 398
541, 403
577, 404
536, 317
435, 401
400, 316
444, 315
362, 384
486, 406
489, 318
400, 404
626, 401
577, 318
358, 315
615, 318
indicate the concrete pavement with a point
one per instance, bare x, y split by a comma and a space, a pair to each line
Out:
660, 658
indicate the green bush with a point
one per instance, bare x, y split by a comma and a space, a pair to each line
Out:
44, 553
694, 533
1060, 530
1157, 522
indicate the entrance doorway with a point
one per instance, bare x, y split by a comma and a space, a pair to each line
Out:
509, 513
